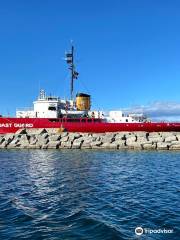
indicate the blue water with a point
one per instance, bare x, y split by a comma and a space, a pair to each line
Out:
74, 194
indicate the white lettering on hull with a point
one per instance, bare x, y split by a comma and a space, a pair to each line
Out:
16, 125
6, 125
23, 125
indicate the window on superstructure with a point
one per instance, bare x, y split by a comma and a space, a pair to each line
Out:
52, 108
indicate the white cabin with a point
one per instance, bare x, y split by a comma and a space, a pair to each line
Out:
120, 117
45, 107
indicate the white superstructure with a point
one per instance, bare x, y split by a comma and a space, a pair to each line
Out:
54, 107
120, 117
46, 107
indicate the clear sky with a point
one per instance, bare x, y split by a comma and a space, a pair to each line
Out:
128, 51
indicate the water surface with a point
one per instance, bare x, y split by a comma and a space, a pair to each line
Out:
74, 194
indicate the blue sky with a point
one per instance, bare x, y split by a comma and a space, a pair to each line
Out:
128, 51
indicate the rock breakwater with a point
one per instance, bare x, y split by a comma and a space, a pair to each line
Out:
50, 139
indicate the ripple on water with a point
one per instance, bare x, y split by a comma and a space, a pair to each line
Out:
88, 194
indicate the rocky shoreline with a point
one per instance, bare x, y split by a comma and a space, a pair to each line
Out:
50, 139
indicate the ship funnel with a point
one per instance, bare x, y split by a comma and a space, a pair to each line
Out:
83, 102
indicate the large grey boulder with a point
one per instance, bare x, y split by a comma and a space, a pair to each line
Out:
141, 134
95, 138
64, 134
37, 146
53, 144
130, 135
14, 143
175, 142
162, 146
6, 140
24, 140
153, 134
65, 145
95, 144
35, 131
149, 146
98, 135
108, 145
73, 136
120, 136
142, 140
52, 131
21, 131
44, 135
175, 147
54, 137
166, 134
156, 139
77, 143
86, 145
108, 138
134, 145
170, 138
23, 146
87, 142
2, 138
120, 142
65, 138
45, 146
131, 140
90, 139
33, 140
9, 137
178, 136
3, 145
42, 140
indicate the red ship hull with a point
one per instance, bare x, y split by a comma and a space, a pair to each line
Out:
11, 125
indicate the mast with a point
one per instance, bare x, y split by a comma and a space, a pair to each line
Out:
74, 75
72, 72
